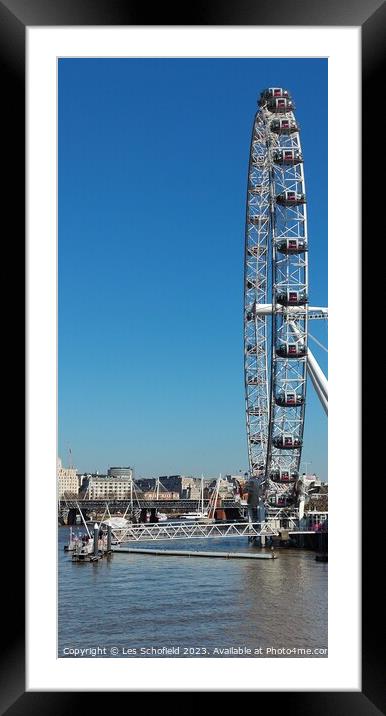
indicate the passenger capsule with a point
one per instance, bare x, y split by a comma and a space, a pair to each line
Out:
280, 105
257, 219
287, 442
291, 298
290, 198
274, 92
284, 500
278, 500
292, 246
291, 350
288, 157
289, 399
282, 475
256, 411
283, 126
258, 189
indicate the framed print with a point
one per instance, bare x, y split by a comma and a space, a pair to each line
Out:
136, 152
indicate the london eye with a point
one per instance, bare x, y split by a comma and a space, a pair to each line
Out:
276, 308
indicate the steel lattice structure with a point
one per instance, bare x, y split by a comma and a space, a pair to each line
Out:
276, 270
147, 533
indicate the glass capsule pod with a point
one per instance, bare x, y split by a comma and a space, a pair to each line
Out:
280, 105
284, 500
283, 476
287, 442
289, 399
273, 92
276, 500
291, 297
291, 350
290, 198
287, 157
292, 246
283, 126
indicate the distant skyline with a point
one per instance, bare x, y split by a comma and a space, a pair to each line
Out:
153, 159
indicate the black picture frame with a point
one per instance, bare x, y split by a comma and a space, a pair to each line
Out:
15, 17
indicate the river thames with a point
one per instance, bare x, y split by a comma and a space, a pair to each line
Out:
146, 606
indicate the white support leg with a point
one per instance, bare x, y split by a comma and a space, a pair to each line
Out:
316, 374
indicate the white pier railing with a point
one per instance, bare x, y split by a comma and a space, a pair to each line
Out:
144, 533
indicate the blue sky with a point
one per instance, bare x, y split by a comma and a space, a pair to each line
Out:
153, 158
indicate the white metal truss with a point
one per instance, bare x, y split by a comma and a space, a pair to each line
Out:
145, 533
280, 515
317, 376
276, 266
257, 231
289, 275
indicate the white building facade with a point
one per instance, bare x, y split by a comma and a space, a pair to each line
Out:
67, 480
107, 488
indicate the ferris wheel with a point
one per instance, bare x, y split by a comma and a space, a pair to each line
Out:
276, 311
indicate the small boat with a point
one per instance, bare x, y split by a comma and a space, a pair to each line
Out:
208, 514
199, 515
194, 516
161, 516
117, 523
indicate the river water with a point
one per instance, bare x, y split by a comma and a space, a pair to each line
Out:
131, 606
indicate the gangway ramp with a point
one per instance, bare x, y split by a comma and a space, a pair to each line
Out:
160, 532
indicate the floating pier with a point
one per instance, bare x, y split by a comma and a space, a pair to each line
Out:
190, 553
92, 550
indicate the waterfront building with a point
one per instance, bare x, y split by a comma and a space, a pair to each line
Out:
67, 480
146, 484
152, 488
188, 488
104, 487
